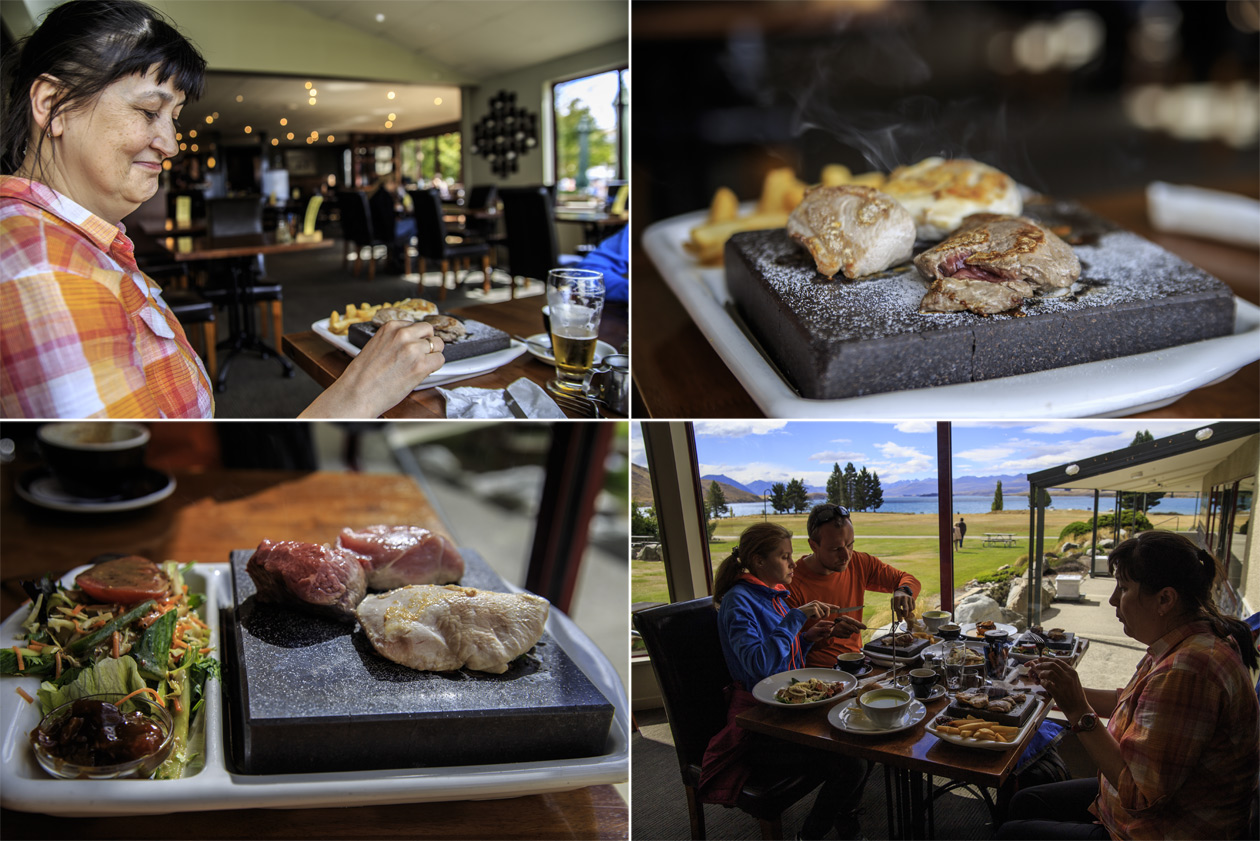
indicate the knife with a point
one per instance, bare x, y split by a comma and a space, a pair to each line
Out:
517, 411
847, 609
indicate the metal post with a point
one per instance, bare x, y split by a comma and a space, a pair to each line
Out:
945, 505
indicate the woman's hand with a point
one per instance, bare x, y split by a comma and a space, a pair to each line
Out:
1063, 684
389, 367
820, 630
816, 609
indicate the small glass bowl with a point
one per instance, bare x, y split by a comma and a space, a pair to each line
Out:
142, 767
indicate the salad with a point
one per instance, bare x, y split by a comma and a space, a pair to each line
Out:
127, 625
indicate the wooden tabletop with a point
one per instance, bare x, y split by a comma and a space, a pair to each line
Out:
522, 317
679, 375
245, 245
211, 513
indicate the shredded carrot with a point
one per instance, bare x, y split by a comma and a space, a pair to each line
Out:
129, 695
77, 627
25, 697
78, 608
57, 659
36, 646
17, 651
177, 643
205, 650
198, 622
175, 703
185, 589
117, 641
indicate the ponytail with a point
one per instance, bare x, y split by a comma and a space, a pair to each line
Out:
758, 540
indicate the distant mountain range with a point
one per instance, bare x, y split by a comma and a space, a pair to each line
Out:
963, 486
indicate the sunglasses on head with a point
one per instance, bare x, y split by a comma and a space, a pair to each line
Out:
829, 513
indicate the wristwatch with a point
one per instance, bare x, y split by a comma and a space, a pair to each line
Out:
1085, 723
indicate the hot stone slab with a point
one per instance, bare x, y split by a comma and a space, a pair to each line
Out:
306, 694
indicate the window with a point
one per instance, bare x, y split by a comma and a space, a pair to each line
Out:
591, 135
422, 158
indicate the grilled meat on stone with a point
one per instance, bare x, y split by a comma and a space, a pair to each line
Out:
854, 229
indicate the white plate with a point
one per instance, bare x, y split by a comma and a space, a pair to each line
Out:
969, 631
850, 718
460, 369
41, 488
937, 649
765, 689
985, 744
1112, 387
26, 787
602, 348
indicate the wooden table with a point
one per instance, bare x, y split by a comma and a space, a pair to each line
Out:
209, 514
909, 754
678, 374
998, 539
595, 223
238, 251
522, 317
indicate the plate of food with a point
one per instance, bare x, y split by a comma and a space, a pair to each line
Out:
977, 630
539, 347
209, 778
804, 688
336, 331
973, 732
768, 275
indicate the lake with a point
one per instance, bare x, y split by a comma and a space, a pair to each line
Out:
982, 504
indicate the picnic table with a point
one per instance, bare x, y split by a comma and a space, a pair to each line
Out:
992, 538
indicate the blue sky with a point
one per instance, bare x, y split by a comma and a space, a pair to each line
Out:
780, 450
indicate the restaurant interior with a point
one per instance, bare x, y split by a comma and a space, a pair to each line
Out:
370, 149
920, 787
1094, 103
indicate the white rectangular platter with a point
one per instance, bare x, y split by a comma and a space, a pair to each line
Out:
1109, 388
26, 787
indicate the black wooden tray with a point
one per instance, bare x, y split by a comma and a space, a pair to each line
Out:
307, 694
877, 646
481, 339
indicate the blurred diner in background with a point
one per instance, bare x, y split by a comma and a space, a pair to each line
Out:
438, 157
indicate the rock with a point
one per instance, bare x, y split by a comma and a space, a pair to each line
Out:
1017, 598
1106, 543
977, 608
650, 552
1003, 566
1069, 546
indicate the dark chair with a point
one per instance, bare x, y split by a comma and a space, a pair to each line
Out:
385, 225
191, 308
682, 642
482, 200
434, 243
533, 248
357, 230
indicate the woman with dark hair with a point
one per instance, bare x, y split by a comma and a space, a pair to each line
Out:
761, 636
91, 107
1178, 755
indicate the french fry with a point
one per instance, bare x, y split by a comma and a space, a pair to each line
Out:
870, 179
724, 207
708, 235
947, 730
707, 254
836, 175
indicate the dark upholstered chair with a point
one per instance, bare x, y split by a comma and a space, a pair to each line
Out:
228, 217
533, 248
682, 642
357, 230
191, 308
434, 243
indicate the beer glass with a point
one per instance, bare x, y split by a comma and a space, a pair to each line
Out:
576, 300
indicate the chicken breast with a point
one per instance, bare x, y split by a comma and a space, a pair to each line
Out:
853, 229
394, 556
941, 193
992, 263
432, 628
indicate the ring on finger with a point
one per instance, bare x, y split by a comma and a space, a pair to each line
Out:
430, 341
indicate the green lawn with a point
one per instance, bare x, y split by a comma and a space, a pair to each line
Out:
919, 557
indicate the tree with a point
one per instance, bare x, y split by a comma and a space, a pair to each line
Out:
709, 522
1141, 438
875, 493
644, 522
997, 498
797, 496
835, 487
716, 499
778, 498
1043, 496
861, 484
601, 143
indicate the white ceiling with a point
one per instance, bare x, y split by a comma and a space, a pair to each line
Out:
1179, 472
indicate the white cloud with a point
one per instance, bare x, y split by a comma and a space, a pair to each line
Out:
637, 454
912, 426
901, 462
985, 454
838, 456
737, 429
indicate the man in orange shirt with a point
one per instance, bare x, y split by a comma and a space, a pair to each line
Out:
835, 574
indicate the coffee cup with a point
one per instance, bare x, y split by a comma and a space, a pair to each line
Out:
949, 631
922, 682
94, 459
851, 662
934, 619
884, 707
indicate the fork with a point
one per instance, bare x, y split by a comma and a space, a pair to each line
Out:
577, 405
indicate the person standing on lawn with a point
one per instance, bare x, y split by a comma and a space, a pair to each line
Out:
962, 530
835, 574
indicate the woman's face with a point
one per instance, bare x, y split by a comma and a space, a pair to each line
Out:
1138, 613
110, 152
776, 568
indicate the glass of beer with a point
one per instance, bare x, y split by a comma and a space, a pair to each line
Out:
576, 300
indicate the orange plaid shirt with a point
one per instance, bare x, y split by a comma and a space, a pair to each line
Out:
83, 332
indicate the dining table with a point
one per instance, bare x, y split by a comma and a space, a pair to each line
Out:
325, 362
678, 374
212, 511
911, 757
596, 223
237, 251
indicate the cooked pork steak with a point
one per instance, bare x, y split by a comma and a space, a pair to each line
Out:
992, 263
308, 576
394, 556
940, 193
440, 629
854, 229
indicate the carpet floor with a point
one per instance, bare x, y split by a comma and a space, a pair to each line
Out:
315, 284
659, 807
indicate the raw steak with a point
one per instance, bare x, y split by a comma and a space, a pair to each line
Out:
440, 629
312, 577
394, 556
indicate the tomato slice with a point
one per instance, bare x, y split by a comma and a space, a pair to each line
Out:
124, 581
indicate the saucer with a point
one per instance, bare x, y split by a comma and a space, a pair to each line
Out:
862, 672
41, 488
938, 691
539, 347
850, 718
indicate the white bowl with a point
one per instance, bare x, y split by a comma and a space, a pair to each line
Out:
885, 706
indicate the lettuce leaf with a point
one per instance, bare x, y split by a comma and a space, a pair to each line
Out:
109, 675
